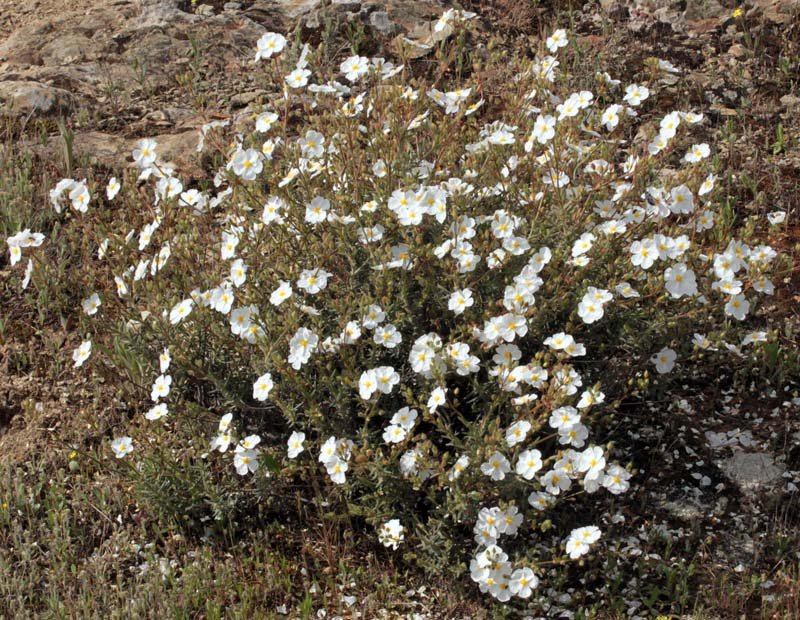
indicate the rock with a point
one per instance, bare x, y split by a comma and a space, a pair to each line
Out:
346, 5
204, 10
421, 40
791, 102
232, 6
163, 14
112, 150
379, 20
19, 97
66, 49
704, 10
685, 509
297, 8
240, 100
753, 472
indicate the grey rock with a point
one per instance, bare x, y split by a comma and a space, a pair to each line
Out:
163, 14
19, 97
754, 472
205, 10
297, 8
381, 22
685, 509
66, 49
239, 100
792, 103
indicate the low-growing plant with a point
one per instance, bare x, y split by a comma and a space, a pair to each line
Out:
412, 305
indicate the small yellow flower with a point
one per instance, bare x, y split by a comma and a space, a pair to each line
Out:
738, 12
72, 455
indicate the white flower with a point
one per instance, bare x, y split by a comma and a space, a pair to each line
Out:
680, 281
379, 169
385, 379
317, 210
610, 117
764, 285
82, 353
145, 153
556, 40
543, 130
245, 461
161, 387
122, 446
229, 243
540, 501
391, 534
592, 462
247, 164
616, 479
336, 468
374, 317
522, 582
643, 253
517, 432
269, 44
682, 200
112, 189
367, 384
529, 462
312, 281
564, 417
664, 360
405, 417
583, 244
354, 67
635, 94
574, 435
295, 444
28, 272
262, 387
264, 122
776, 217
437, 398
79, 195
180, 311
394, 433
444, 19
590, 397
222, 298
496, 467
757, 336
281, 294
697, 153
460, 465
350, 333
301, 346
590, 311
580, 540
737, 307
460, 301
625, 289
91, 304
157, 412
298, 78
388, 336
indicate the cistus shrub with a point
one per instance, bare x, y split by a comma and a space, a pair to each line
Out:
422, 302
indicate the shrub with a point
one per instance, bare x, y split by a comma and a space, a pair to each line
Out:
415, 304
